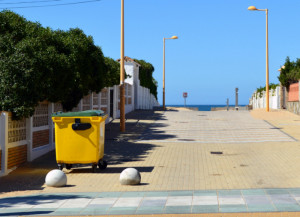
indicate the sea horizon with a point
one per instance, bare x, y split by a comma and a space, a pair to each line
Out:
203, 107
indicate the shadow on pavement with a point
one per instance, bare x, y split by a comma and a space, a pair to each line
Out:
122, 152
137, 123
120, 169
29, 176
26, 213
25, 202
110, 170
119, 148
140, 125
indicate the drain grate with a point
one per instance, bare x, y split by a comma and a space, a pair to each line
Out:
216, 152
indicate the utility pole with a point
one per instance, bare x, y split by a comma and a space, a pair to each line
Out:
227, 103
122, 74
236, 98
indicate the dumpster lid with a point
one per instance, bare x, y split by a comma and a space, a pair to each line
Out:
79, 114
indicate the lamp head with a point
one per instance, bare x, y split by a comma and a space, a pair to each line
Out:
252, 8
174, 37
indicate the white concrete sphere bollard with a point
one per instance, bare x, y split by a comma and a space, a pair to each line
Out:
56, 178
130, 176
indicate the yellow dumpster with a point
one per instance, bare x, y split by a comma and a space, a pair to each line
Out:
79, 138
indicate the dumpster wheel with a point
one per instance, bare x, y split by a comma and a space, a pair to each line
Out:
94, 167
68, 166
102, 164
60, 166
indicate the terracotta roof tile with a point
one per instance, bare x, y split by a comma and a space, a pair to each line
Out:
128, 59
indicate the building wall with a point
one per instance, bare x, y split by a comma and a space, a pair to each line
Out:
293, 93
129, 69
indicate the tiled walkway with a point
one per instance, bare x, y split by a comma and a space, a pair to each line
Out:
176, 154
214, 127
159, 202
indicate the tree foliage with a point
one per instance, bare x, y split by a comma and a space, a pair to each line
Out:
112, 73
38, 64
19, 73
146, 76
260, 90
290, 73
85, 68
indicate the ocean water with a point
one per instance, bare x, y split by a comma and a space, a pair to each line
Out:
202, 107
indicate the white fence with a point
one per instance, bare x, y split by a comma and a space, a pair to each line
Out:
30, 138
27, 139
259, 101
146, 100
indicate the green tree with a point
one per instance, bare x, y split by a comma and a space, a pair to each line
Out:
20, 76
112, 73
86, 68
38, 64
146, 76
290, 73
260, 90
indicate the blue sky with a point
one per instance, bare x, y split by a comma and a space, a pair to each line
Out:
221, 44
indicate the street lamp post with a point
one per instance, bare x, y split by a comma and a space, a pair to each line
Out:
252, 8
122, 73
164, 96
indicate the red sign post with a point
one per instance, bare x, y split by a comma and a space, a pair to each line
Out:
185, 94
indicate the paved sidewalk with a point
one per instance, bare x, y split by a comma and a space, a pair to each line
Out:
172, 202
213, 127
202, 154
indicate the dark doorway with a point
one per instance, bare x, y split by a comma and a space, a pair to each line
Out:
111, 104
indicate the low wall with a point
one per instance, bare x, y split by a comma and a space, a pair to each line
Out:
16, 156
40, 138
293, 107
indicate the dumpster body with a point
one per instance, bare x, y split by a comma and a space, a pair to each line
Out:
79, 138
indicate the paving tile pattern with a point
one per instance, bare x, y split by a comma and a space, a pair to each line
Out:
186, 165
214, 127
175, 159
215, 201
259, 154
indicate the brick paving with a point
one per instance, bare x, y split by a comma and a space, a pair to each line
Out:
166, 164
171, 159
214, 127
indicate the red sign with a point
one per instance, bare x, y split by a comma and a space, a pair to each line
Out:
184, 94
